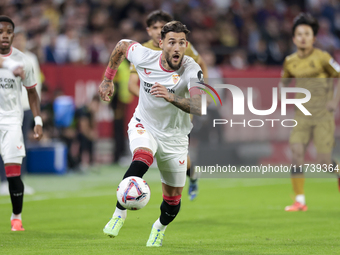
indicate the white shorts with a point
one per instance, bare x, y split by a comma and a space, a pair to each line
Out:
12, 148
171, 154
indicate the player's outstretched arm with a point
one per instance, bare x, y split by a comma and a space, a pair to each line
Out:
117, 56
189, 105
34, 101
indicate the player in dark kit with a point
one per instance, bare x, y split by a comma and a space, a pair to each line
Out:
315, 65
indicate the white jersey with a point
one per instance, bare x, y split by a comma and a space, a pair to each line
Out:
160, 117
11, 112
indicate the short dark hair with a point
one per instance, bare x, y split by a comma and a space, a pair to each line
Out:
306, 19
174, 26
158, 15
4, 18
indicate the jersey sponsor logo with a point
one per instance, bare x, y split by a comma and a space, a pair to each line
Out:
7, 83
171, 90
181, 163
147, 87
141, 131
147, 73
175, 78
335, 65
6, 86
10, 80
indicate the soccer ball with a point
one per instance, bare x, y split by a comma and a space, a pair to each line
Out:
133, 193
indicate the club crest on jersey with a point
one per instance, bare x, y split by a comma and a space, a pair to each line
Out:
141, 131
175, 78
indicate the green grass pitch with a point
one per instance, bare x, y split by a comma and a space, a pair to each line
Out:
230, 216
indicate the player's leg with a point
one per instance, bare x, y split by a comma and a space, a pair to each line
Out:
297, 178
170, 207
16, 191
193, 186
173, 176
143, 147
142, 159
13, 151
299, 139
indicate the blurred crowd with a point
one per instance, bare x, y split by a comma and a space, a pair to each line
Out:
239, 32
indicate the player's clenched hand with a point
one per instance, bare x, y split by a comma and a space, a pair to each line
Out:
19, 71
38, 132
331, 105
106, 89
159, 90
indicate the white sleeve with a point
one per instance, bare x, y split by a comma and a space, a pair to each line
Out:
137, 53
29, 81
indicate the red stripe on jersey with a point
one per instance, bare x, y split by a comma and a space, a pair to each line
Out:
7, 55
127, 53
31, 87
160, 64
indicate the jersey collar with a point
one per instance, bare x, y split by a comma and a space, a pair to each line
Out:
8, 54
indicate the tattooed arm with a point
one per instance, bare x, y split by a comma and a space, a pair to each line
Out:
189, 105
117, 56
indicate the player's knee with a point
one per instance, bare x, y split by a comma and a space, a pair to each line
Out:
12, 170
143, 155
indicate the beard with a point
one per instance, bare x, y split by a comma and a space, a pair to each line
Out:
171, 65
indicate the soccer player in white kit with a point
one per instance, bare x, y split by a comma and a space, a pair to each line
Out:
161, 122
12, 148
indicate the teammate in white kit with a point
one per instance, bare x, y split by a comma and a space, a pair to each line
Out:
12, 148
161, 122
